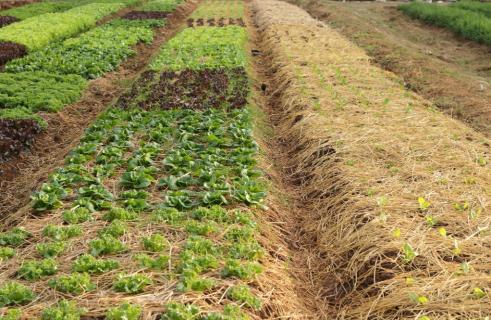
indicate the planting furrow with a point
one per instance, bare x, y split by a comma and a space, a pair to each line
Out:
22, 175
390, 195
157, 212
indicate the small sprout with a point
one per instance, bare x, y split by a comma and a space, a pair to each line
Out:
461, 206
50, 249
423, 204
442, 231
424, 318
125, 311
408, 253
64, 310
465, 267
75, 283
132, 284
478, 293
473, 213
242, 294
382, 201
481, 161
431, 221
6, 253
154, 243
410, 281
457, 250
230, 312
418, 299
396, 233
34, 270
15, 294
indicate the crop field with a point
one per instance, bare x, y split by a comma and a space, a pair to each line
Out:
230, 160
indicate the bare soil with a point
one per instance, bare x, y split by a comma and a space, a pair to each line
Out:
4, 5
453, 73
21, 176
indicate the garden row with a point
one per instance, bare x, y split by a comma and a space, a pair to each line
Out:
48, 79
35, 9
153, 214
468, 19
393, 195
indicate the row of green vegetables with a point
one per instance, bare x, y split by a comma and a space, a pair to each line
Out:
465, 19
39, 8
39, 31
50, 78
219, 9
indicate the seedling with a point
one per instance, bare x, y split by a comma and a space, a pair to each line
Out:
77, 215
243, 295
63, 310
34, 270
60, 233
132, 284
125, 311
75, 283
6, 253
88, 264
154, 243
14, 237
105, 244
50, 249
408, 253
241, 270
14, 293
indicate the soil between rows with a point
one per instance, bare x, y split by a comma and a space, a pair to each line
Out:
20, 177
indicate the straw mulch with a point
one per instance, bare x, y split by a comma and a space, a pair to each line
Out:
361, 150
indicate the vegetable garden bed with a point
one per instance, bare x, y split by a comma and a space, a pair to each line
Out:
153, 215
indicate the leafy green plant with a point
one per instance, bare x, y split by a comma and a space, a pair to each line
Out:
14, 293
6, 253
125, 311
230, 312
178, 311
75, 283
408, 253
136, 179
161, 262
120, 214
242, 294
14, 237
59, 233
116, 228
63, 310
241, 270
77, 215
50, 249
171, 216
12, 314
191, 280
201, 228
132, 283
155, 243
40, 91
88, 264
35, 270
105, 244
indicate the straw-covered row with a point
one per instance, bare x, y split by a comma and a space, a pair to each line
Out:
394, 192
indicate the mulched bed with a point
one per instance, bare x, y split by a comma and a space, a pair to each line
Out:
203, 89
16, 135
142, 15
213, 22
6, 20
10, 51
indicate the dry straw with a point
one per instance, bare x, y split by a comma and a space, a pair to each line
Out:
377, 169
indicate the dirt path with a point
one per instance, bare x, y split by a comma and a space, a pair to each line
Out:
453, 73
20, 177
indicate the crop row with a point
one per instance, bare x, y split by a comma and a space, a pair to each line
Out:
37, 32
39, 8
219, 9
479, 7
152, 203
466, 23
49, 79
